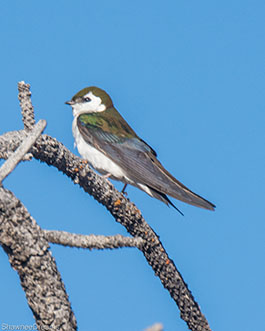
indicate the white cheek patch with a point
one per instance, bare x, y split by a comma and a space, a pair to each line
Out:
95, 102
92, 106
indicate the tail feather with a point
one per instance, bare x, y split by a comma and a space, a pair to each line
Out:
162, 197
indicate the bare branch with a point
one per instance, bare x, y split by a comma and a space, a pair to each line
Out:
52, 152
10, 141
29, 254
91, 241
18, 155
27, 109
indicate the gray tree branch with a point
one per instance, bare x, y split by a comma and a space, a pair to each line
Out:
27, 110
18, 155
91, 241
52, 152
29, 254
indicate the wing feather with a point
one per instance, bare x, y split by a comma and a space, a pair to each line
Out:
139, 161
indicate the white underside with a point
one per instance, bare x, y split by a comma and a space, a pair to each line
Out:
101, 162
97, 160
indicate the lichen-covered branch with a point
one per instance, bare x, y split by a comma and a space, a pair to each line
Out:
91, 241
52, 152
29, 254
27, 110
20, 152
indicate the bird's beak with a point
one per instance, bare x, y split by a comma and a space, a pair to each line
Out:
69, 102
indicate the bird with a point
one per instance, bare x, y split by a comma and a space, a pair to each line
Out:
107, 142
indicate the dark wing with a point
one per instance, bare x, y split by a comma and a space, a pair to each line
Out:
139, 161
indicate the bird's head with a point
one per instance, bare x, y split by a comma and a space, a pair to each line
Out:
90, 100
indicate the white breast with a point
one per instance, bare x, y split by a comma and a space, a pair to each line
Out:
97, 160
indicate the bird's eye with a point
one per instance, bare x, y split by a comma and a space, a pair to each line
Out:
87, 99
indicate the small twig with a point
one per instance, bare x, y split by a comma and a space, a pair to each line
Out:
155, 327
27, 109
18, 155
91, 241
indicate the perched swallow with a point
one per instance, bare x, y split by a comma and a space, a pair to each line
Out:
110, 145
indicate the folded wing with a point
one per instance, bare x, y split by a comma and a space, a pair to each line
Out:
139, 161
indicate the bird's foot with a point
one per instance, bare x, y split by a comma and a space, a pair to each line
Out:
123, 190
106, 176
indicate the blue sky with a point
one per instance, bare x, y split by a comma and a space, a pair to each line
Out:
189, 77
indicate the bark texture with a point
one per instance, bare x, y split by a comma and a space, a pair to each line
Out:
29, 254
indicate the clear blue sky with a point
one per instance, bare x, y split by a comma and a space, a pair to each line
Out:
189, 77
